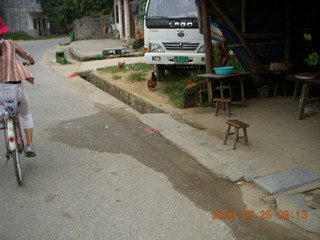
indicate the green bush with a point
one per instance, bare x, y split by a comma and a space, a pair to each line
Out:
72, 35
62, 60
312, 59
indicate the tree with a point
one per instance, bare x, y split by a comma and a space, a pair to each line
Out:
66, 11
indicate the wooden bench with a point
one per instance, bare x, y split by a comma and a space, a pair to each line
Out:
237, 125
225, 102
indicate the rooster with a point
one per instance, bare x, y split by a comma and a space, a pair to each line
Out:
189, 82
121, 64
152, 82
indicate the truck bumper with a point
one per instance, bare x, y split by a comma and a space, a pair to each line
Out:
168, 58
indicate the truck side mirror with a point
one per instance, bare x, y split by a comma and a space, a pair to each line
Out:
134, 7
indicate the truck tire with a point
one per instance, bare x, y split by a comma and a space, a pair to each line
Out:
160, 71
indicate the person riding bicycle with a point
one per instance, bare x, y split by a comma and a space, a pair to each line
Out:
12, 71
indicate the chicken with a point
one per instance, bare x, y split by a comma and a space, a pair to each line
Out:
152, 82
121, 64
189, 82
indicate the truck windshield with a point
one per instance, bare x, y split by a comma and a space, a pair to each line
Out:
159, 9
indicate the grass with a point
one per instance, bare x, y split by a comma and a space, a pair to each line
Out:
99, 57
137, 76
24, 36
174, 85
20, 36
115, 77
139, 68
128, 67
62, 60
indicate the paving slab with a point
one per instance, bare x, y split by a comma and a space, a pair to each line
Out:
295, 209
286, 180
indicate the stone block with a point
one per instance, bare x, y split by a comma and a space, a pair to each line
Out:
286, 180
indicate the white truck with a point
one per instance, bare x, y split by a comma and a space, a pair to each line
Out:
171, 35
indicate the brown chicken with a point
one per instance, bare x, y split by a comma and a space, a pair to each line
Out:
121, 64
189, 82
152, 82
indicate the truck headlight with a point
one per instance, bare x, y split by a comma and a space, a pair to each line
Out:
201, 49
156, 47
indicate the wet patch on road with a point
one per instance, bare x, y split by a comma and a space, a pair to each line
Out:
115, 130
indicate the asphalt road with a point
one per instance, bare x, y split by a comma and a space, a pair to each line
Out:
101, 174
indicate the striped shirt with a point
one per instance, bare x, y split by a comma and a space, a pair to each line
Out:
11, 69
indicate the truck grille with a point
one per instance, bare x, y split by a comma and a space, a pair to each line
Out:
182, 46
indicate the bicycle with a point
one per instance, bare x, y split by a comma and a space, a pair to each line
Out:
11, 126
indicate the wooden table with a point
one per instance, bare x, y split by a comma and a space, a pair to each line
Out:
236, 76
279, 78
304, 97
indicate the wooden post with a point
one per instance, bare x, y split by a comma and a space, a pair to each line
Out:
207, 45
207, 36
287, 51
244, 16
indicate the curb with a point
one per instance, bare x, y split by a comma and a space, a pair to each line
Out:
85, 58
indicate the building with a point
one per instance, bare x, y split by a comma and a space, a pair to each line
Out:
125, 25
24, 16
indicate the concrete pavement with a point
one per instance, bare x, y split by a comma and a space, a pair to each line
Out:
279, 143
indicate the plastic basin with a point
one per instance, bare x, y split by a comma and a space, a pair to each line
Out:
223, 70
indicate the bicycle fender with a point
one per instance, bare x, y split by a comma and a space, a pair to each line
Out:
11, 135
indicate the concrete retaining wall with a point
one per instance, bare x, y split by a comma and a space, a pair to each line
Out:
128, 98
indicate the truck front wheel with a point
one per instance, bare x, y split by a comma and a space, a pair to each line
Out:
160, 71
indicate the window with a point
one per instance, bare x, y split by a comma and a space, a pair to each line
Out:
172, 9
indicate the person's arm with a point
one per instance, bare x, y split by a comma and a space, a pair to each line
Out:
24, 54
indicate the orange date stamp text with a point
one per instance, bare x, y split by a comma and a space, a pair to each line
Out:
263, 214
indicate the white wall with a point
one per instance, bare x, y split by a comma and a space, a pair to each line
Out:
127, 21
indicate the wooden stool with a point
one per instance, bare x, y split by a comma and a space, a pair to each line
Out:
237, 125
225, 102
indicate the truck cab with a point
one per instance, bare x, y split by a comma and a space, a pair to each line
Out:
171, 35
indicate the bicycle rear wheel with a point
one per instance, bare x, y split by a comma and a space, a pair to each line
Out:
17, 166
12, 136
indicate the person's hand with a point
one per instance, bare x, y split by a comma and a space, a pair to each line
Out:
31, 62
